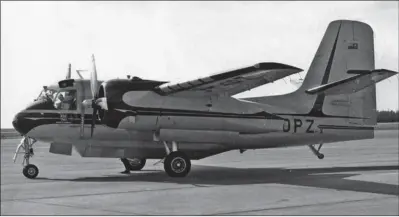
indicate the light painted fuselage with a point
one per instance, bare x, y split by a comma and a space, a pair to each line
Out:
204, 124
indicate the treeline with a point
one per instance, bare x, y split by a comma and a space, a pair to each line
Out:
387, 116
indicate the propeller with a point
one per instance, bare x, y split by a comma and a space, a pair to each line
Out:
95, 103
93, 85
91, 103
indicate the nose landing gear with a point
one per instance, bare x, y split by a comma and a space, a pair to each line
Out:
29, 170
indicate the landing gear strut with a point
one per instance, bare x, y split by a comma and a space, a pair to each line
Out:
29, 170
176, 163
317, 151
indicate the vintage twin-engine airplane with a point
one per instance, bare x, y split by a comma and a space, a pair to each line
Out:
145, 119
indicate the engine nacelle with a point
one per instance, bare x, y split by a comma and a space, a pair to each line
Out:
113, 91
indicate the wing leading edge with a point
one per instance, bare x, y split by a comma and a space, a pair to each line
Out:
231, 82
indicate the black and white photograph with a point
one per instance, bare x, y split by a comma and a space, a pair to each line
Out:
133, 108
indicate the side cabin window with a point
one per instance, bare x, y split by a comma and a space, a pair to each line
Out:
65, 100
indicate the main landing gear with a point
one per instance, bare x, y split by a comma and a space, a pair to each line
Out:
29, 170
176, 163
136, 164
317, 151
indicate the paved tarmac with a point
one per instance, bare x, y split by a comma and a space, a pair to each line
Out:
355, 178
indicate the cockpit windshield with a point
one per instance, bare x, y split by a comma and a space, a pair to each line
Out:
60, 99
46, 94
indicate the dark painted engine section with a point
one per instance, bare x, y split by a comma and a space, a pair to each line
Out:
114, 90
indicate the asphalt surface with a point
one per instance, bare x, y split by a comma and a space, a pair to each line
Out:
355, 178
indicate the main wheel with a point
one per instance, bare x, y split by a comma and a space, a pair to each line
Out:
177, 164
136, 164
320, 156
30, 171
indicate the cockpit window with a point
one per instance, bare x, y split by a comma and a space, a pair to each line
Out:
46, 94
65, 100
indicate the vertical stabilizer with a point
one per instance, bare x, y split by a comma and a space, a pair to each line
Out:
346, 45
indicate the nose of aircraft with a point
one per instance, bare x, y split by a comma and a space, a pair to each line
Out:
24, 122
18, 124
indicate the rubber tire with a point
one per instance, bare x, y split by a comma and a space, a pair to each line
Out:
137, 167
26, 169
321, 156
168, 164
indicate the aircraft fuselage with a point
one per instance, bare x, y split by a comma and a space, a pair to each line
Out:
203, 124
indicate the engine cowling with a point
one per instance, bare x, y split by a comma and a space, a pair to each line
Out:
113, 91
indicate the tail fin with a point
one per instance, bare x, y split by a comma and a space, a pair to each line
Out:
347, 46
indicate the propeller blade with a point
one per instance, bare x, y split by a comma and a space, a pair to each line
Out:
94, 87
93, 78
82, 121
93, 117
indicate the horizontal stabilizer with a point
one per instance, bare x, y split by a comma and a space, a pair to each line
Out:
362, 79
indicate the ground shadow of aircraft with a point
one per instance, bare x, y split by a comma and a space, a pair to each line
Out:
203, 176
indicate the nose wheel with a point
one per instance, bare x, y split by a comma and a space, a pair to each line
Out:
29, 170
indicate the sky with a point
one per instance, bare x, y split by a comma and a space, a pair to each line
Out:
176, 41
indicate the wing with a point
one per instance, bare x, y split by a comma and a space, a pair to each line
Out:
231, 82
